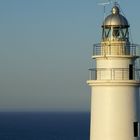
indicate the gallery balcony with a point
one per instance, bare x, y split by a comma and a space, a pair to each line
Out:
115, 49
114, 74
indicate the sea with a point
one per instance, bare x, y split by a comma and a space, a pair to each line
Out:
44, 125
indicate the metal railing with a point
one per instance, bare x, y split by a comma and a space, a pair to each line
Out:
114, 74
103, 49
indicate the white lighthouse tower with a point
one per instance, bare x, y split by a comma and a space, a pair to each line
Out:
114, 82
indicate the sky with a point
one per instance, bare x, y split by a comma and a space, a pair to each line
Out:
46, 48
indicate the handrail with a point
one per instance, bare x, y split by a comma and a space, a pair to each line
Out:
114, 74
102, 49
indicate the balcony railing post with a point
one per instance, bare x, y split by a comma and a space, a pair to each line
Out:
123, 74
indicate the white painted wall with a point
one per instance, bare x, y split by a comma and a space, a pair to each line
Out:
113, 111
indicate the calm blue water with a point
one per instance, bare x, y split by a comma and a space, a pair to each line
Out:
44, 126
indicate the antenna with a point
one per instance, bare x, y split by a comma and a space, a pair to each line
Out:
104, 6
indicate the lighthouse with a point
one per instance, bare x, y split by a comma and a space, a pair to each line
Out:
115, 82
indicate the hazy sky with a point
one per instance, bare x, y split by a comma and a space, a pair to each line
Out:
45, 51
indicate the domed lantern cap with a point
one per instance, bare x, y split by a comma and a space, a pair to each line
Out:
115, 19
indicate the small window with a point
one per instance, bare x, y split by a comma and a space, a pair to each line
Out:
130, 72
136, 129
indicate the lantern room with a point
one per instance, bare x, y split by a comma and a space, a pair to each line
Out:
115, 26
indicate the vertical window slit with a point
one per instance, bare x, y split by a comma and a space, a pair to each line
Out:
136, 129
130, 72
